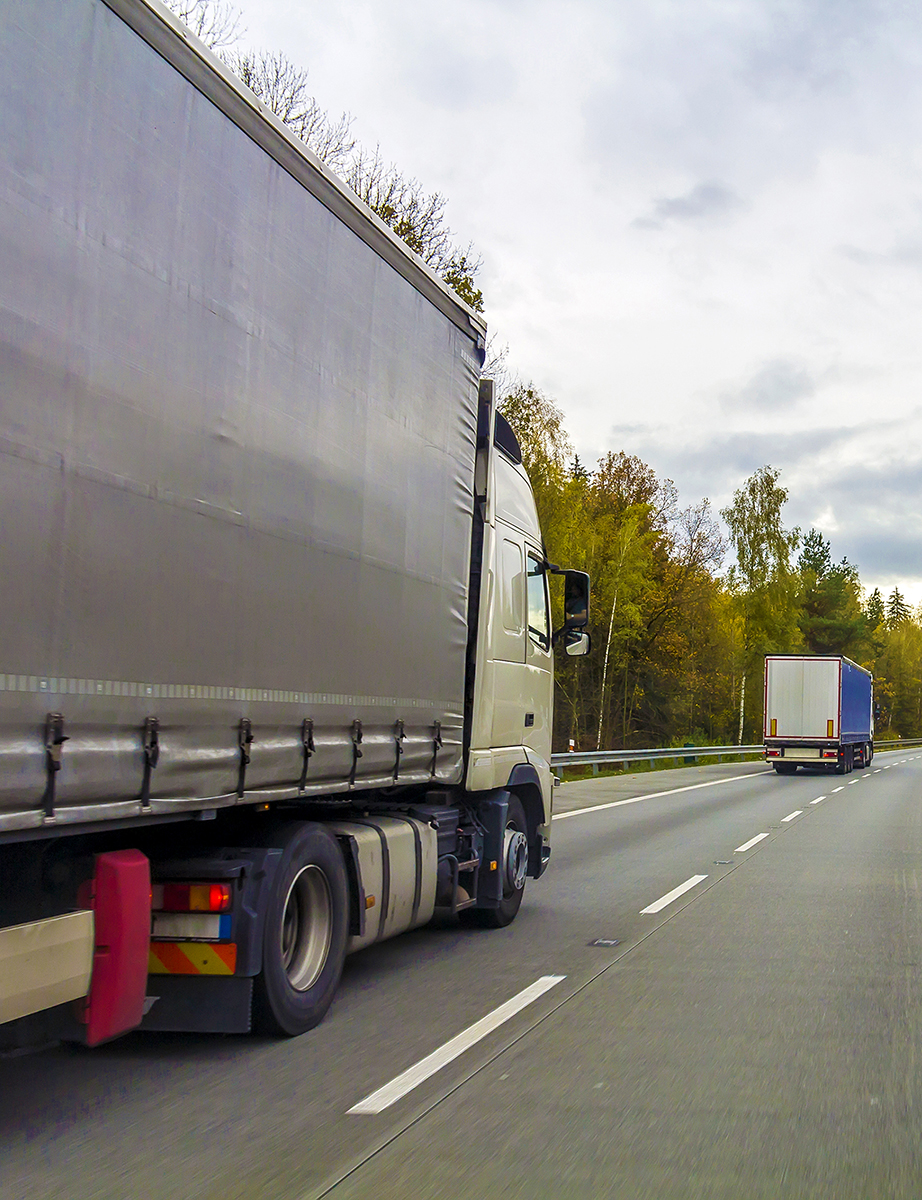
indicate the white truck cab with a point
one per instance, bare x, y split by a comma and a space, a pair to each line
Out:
512, 720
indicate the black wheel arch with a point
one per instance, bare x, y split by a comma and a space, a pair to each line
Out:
525, 783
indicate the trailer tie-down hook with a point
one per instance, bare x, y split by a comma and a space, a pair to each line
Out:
151, 756
307, 744
436, 745
400, 737
356, 752
245, 741
54, 744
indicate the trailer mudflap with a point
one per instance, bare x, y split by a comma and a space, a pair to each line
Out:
199, 1004
492, 814
119, 895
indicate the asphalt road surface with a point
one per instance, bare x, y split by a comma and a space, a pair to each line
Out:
715, 991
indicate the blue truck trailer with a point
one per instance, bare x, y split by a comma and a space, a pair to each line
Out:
818, 712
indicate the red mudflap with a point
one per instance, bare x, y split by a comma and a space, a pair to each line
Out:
119, 894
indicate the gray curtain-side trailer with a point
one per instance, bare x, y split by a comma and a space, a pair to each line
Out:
271, 686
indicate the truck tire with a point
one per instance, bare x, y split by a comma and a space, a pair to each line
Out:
846, 762
514, 866
305, 934
784, 768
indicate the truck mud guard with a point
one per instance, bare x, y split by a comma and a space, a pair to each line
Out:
119, 895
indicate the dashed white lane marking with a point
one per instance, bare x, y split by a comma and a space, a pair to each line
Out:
749, 845
867, 775
385, 1096
852, 782
840, 788
818, 799
659, 905
790, 817
877, 770
580, 812
887, 767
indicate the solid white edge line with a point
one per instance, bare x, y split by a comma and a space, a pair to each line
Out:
391, 1092
749, 845
790, 817
659, 905
579, 812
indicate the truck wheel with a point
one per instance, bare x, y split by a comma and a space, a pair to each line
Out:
514, 867
304, 940
784, 768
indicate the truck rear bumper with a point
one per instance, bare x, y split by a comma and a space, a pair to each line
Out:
798, 754
45, 963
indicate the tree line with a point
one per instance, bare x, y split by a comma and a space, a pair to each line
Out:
678, 641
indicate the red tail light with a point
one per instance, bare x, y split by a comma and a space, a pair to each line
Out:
192, 897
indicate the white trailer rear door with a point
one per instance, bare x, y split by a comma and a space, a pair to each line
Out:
802, 697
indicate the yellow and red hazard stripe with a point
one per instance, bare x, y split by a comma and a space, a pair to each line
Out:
192, 958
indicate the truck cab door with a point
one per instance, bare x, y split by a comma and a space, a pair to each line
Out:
522, 646
509, 641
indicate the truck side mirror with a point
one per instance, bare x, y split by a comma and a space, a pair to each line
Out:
575, 600
577, 643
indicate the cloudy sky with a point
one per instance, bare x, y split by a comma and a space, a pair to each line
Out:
700, 223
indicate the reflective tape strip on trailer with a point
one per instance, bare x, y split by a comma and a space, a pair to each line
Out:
192, 958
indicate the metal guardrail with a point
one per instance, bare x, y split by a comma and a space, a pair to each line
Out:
598, 758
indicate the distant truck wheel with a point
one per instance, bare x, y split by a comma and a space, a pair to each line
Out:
304, 942
785, 768
846, 763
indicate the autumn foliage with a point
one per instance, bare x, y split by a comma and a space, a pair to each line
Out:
679, 637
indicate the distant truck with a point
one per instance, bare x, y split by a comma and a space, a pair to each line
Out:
276, 653
819, 712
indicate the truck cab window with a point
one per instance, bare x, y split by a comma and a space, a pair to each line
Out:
539, 625
512, 598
